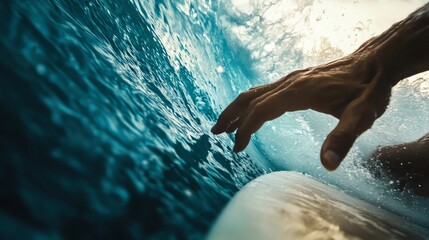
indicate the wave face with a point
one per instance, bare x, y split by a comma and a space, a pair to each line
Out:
106, 107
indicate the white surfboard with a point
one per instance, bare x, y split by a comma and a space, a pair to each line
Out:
288, 205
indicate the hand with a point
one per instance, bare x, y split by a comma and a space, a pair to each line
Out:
352, 89
404, 160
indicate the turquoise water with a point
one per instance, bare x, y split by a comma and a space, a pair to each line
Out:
106, 107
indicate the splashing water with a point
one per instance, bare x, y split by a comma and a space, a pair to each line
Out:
106, 108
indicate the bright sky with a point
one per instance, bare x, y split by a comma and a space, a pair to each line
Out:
337, 20
322, 30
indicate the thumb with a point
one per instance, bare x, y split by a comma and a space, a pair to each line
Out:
336, 147
356, 119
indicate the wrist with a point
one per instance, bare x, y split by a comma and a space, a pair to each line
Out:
403, 49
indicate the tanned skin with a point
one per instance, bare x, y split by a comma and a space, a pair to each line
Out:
355, 89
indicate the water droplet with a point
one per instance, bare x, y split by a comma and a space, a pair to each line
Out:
41, 69
220, 69
188, 192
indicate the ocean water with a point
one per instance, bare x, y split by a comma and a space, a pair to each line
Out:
106, 108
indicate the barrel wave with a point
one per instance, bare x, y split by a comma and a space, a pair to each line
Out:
106, 108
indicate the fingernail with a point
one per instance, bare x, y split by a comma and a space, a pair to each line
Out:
332, 160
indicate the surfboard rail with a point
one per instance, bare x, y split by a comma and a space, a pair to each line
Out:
290, 205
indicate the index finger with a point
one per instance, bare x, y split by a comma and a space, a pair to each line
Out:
236, 108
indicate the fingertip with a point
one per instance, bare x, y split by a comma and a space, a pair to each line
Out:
331, 160
238, 146
336, 147
241, 141
216, 129
236, 149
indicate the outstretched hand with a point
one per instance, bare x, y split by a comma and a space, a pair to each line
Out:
352, 89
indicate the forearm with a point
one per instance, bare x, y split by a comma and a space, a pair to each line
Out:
402, 50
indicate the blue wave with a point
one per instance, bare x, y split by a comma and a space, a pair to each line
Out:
104, 134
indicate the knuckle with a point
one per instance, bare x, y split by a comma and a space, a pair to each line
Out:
243, 96
346, 138
252, 104
257, 109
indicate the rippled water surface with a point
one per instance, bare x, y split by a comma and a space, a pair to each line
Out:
106, 107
